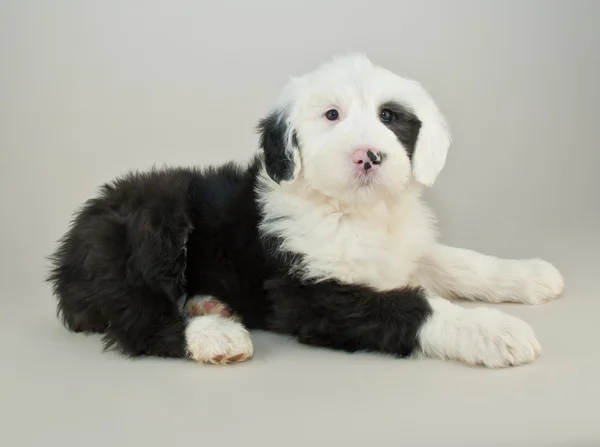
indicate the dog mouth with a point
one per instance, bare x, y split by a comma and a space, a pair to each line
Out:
366, 177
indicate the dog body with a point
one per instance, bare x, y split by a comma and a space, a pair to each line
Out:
323, 236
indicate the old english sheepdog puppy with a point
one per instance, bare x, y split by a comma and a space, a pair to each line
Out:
322, 236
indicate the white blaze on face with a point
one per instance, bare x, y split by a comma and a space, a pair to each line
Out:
341, 109
329, 147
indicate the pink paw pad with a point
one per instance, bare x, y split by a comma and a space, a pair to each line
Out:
203, 305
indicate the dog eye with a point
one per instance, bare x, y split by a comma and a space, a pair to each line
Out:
386, 116
332, 115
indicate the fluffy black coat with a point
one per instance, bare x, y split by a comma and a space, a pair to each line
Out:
149, 240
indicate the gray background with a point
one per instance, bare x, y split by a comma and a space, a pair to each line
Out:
89, 90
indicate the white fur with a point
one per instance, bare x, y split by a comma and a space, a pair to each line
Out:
347, 229
381, 233
462, 273
354, 244
217, 340
356, 87
477, 336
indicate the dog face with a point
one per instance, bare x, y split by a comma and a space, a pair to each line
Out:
351, 128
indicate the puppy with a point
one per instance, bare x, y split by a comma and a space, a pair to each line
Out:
323, 235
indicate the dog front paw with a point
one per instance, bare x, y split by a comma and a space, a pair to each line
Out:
478, 336
496, 340
543, 281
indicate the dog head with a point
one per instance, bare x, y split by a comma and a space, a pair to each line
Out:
351, 126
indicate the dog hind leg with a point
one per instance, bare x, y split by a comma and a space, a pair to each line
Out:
120, 270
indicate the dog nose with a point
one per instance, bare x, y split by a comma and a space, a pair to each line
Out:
366, 158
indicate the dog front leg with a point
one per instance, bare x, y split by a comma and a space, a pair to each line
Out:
466, 274
407, 322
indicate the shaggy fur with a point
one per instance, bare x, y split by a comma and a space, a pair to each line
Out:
323, 236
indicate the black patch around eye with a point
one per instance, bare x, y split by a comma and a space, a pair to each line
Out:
405, 125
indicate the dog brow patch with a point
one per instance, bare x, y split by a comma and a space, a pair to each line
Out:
406, 126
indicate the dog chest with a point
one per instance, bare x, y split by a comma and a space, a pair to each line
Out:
376, 250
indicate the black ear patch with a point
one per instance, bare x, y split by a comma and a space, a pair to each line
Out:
279, 156
405, 125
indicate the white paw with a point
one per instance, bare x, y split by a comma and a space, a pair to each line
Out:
495, 339
543, 281
217, 340
478, 336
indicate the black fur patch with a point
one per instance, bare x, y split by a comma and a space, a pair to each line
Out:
149, 239
348, 317
405, 125
119, 270
279, 161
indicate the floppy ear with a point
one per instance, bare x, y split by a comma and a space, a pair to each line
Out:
434, 137
279, 143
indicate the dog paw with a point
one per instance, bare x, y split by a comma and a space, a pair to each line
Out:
498, 340
478, 336
217, 340
543, 281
